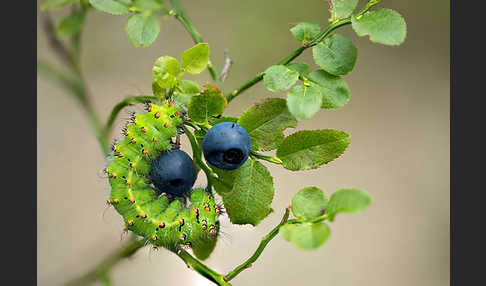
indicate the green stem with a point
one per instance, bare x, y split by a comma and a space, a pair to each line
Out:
300, 50
132, 100
270, 159
202, 269
265, 240
101, 270
196, 37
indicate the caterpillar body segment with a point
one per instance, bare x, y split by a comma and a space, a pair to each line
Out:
160, 221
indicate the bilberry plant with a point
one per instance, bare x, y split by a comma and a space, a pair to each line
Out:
152, 180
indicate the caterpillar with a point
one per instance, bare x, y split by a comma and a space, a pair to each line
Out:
161, 220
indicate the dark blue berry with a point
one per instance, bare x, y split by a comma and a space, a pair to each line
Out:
226, 145
173, 172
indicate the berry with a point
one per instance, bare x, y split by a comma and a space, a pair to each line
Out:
173, 172
226, 145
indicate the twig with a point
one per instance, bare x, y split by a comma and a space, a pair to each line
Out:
202, 269
227, 65
61, 50
196, 37
265, 240
270, 159
101, 270
301, 49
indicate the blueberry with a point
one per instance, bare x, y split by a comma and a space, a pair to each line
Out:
226, 145
173, 172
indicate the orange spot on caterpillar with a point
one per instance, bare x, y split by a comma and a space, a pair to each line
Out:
157, 115
195, 212
161, 224
204, 226
181, 221
125, 132
171, 104
144, 152
188, 244
133, 141
132, 201
154, 238
115, 201
132, 165
217, 210
113, 175
166, 124
182, 237
206, 207
155, 139
134, 121
212, 230
143, 216
130, 222
149, 108
144, 130
128, 182
178, 113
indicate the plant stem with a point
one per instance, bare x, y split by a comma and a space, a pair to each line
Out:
117, 108
265, 240
202, 269
270, 159
300, 50
196, 37
101, 270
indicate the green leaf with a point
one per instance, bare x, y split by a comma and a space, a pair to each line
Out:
142, 30
336, 54
52, 4
70, 25
347, 201
209, 103
279, 78
302, 68
309, 203
147, 5
165, 71
304, 101
306, 236
185, 90
195, 59
204, 247
310, 149
110, 6
304, 31
334, 90
343, 8
213, 121
384, 26
250, 199
157, 90
265, 122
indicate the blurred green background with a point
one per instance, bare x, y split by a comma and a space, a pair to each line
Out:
398, 119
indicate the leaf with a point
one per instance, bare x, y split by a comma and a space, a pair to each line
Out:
142, 30
165, 71
309, 149
343, 8
384, 26
305, 31
348, 201
157, 90
147, 5
209, 103
110, 6
70, 25
213, 121
195, 59
334, 90
52, 4
265, 122
309, 203
185, 90
336, 54
279, 78
306, 236
304, 101
252, 194
302, 68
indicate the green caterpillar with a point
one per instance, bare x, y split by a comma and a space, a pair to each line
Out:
160, 221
